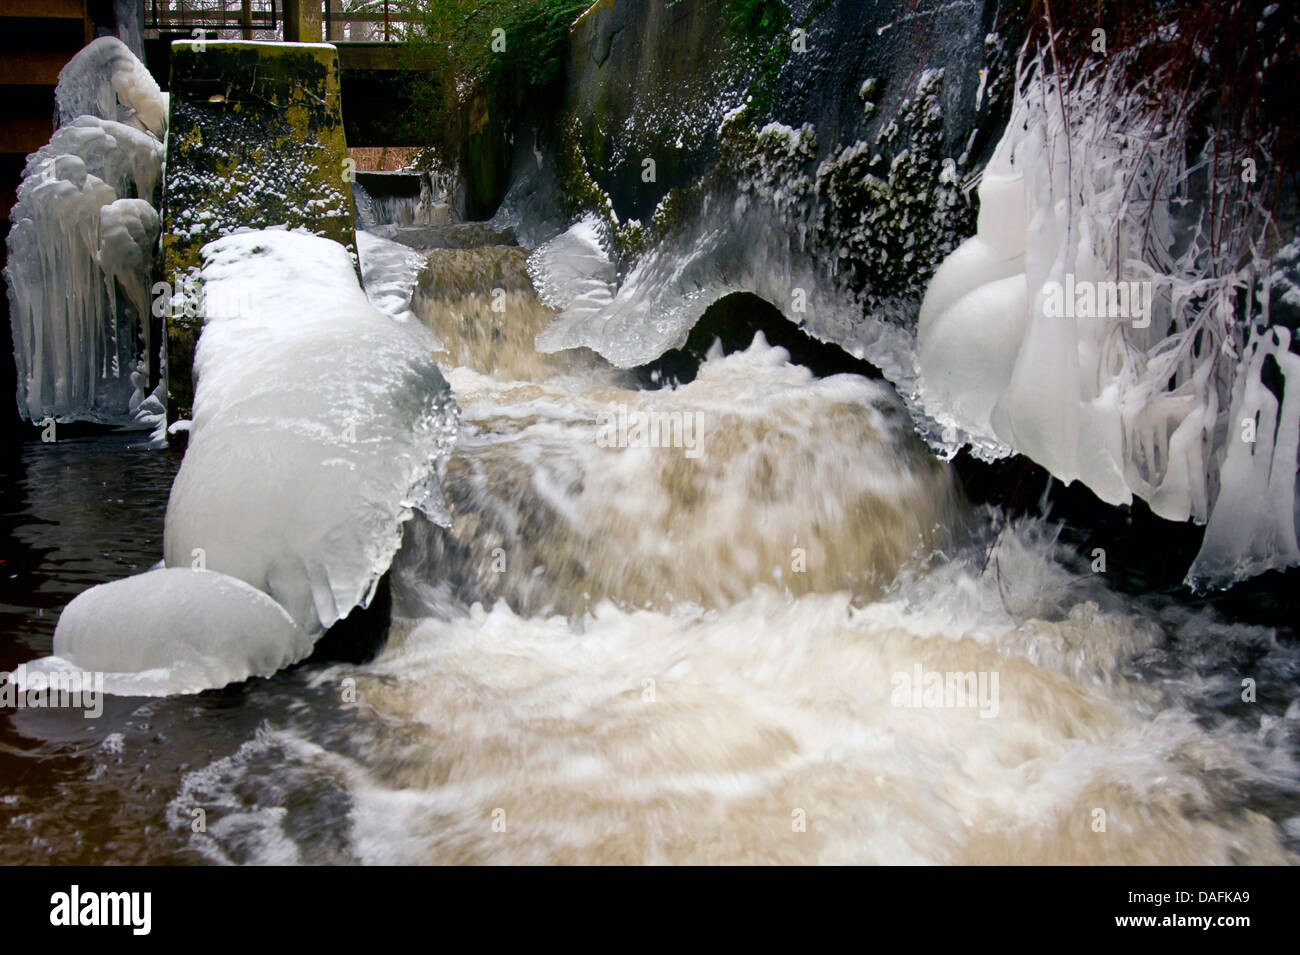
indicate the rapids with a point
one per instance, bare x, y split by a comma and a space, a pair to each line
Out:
744, 619
624, 652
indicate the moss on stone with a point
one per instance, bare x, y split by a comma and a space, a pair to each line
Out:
256, 140
893, 206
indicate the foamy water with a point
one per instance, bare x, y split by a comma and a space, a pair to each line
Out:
761, 628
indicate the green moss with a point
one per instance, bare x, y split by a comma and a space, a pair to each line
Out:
583, 194
255, 140
773, 160
893, 206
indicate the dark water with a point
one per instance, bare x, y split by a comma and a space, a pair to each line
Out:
75, 513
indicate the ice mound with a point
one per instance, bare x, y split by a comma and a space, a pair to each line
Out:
83, 222
174, 630
319, 424
105, 79
573, 273
1082, 327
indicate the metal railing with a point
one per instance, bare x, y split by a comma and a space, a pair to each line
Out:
381, 21
247, 17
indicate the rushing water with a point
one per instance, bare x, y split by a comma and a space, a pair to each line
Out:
669, 625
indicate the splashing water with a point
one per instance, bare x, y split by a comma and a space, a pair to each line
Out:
780, 638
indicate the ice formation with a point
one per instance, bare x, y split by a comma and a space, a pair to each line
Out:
84, 221
390, 272
1067, 330
319, 424
1253, 528
174, 630
128, 234
106, 80
738, 239
573, 273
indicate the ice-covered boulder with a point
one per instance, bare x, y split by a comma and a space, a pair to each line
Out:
319, 424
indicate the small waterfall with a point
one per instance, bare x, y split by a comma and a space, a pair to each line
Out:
401, 198
704, 624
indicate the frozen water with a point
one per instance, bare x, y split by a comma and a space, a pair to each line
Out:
174, 630
106, 80
573, 273
128, 235
1018, 349
653, 308
390, 272
83, 222
319, 424
1253, 527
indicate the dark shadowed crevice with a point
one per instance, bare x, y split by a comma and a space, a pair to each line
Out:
734, 320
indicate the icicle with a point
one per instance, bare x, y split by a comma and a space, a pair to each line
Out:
1067, 329
1253, 526
82, 222
106, 80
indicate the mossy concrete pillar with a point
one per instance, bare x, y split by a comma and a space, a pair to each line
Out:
256, 140
302, 21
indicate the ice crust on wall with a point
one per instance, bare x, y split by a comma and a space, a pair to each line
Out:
633, 319
319, 424
754, 228
174, 630
390, 272
84, 221
573, 274
1018, 351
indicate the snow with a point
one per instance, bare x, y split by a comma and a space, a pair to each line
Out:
175, 630
319, 424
